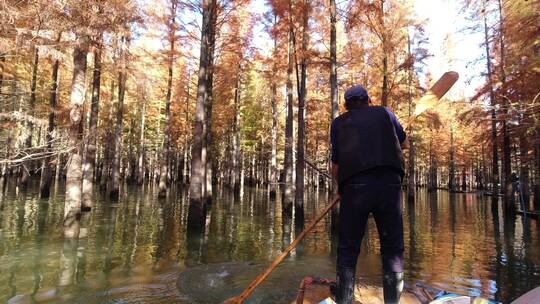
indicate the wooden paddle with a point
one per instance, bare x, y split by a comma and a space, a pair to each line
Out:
435, 93
261, 277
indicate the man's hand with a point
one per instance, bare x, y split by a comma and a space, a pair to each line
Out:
334, 171
405, 144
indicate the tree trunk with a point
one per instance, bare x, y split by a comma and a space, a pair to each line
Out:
185, 178
140, 162
109, 142
164, 172
432, 174
46, 172
235, 168
208, 102
410, 171
300, 146
72, 207
452, 166
208, 175
537, 169
91, 148
510, 207
2, 63
384, 92
196, 207
495, 153
273, 157
333, 61
114, 190
25, 172
288, 194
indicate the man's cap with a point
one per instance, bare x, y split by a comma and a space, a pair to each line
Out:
356, 91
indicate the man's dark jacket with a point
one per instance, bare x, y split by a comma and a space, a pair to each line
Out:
366, 138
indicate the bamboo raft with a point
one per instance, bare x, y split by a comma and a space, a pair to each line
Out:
315, 290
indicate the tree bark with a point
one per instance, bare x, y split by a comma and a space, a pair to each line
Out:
46, 173
452, 166
537, 169
140, 162
208, 103
114, 190
90, 158
196, 207
164, 172
109, 142
495, 153
235, 168
432, 174
333, 61
185, 178
273, 179
411, 170
288, 194
384, 92
273, 158
510, 207
72, 206
25, 172
2, 63
300, 147
524, 167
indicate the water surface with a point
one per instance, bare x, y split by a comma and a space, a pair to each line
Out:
137, 250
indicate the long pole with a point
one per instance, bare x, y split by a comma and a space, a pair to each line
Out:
261, 277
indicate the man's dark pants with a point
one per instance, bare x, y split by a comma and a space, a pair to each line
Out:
377, 192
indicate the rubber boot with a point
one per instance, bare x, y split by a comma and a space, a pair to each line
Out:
392, 287
345, 285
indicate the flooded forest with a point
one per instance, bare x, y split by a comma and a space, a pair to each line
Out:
162, 151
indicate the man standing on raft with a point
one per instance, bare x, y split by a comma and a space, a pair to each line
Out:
367, 162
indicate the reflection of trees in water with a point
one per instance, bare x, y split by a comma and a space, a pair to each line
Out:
68, 263
317, 242
141, 237
20, 212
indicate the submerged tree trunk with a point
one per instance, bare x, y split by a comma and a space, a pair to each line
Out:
273, 158
90, 158
432, 174
185, 175
140, 162
288, 194
537, 169
510, 207
2, 68
164, 172
300, 147
452, 165
524, 178
410, 172
235, 168
25, 172
72, 207
109, 143
208, 103
272, 178
114, 190
46, 172
198, 168
495, 153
